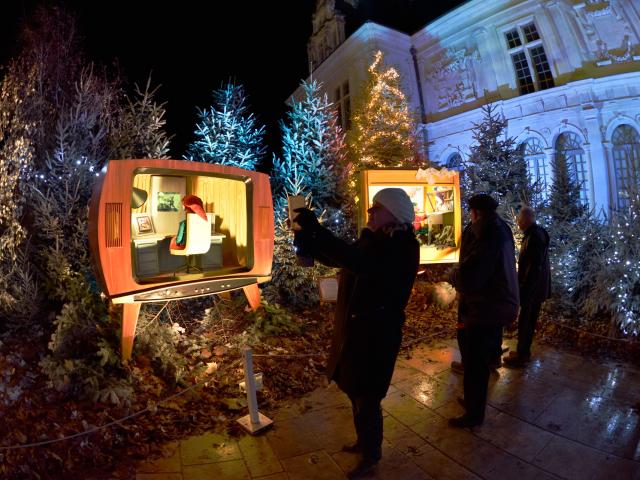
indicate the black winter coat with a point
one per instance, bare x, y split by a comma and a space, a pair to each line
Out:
534, 273
375, 282
486, 277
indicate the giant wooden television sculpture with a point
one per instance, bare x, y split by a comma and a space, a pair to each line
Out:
135, 211
436, 199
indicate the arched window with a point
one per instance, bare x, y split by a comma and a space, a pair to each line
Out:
568, 147
532, 150
454, 162
626, 162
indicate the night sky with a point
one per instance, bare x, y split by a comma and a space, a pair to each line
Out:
191, 48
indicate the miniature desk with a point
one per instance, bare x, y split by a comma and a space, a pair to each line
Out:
152, 251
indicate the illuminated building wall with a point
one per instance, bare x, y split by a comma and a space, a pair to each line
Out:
565, 73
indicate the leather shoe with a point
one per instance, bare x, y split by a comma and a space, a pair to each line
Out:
464, 421
363, 469
352, 448
515, 361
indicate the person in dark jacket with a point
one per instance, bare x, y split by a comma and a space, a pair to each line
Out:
375, 282
487, 283
534, 280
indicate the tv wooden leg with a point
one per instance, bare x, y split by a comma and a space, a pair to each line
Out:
129, 321
252, 292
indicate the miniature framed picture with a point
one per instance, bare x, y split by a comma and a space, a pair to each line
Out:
143, 224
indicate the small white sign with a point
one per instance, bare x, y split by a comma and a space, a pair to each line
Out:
328, 289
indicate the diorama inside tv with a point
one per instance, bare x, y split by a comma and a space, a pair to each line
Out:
435, 195
164, 229
220, 243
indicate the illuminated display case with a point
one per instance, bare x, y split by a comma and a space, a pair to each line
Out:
135, 212
436, 200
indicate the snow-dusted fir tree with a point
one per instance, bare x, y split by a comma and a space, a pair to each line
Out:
383, 129
61, 133
495, 165
568, 223
16, 162
139, 130
311, 165
226, 133
597, 260
312, 151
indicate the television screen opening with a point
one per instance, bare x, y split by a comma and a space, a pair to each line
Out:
169, 244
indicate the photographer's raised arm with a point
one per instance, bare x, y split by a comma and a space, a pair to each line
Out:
330, 250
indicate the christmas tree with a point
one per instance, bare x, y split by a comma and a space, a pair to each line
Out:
564, 198
382, 127
495, 165
311, 165
574, 238
226, 133
139, 131
61, 119
312, 151
16, 163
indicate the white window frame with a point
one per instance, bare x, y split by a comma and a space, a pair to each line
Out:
525, 48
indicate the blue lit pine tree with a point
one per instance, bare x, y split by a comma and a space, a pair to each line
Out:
311, 165
226, 133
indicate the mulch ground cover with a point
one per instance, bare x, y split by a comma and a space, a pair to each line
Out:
209, 400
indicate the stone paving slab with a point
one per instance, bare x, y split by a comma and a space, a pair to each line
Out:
562, 416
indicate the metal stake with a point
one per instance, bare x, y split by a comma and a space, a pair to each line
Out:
255, 421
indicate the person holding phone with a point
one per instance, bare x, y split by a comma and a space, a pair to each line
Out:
375, 282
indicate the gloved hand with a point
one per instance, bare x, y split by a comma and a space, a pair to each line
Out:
306, 219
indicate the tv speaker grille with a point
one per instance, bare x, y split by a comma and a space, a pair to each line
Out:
113, 225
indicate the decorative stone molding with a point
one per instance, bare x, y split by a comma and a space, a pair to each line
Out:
453, 76
607, 57
602, 23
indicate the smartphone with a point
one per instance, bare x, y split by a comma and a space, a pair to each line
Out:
295, 201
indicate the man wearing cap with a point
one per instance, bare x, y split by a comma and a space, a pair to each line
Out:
534, 278
375, 282
487, 282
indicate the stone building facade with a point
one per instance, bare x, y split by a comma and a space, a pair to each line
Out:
564, 73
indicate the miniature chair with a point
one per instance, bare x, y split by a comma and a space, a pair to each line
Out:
198, 239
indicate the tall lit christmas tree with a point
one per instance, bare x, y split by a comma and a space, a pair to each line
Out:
382, 127
226, 133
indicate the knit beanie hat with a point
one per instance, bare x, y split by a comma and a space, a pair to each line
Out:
397, 202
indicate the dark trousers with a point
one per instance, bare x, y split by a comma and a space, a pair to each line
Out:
497, 344
527, 321
367, 418
480, 345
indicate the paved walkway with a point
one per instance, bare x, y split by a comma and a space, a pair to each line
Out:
562, 417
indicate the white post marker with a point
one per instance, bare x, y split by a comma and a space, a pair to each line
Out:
255, 421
